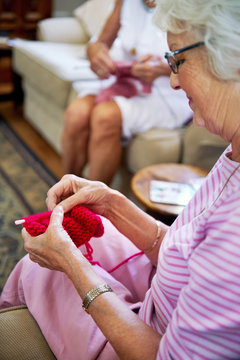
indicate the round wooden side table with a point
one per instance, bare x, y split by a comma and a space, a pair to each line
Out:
166, 172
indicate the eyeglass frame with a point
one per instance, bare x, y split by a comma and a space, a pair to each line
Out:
179, 51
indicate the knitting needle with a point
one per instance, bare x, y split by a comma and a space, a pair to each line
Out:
19, 222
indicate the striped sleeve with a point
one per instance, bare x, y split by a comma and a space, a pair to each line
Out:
206, 321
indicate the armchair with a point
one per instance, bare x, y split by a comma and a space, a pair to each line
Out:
21, 337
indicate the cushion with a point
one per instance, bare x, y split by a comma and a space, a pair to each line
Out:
153, 147
21, 337
205, 147
93, 14
63, 30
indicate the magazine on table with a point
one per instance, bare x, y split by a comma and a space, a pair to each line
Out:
173, 193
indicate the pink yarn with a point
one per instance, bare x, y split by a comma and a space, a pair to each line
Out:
125, 85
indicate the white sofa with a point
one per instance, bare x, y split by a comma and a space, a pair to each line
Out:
52, 66
49, 67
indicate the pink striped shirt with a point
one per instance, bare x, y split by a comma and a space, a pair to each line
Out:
194, 300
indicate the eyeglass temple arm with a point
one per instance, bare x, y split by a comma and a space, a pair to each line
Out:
172, 53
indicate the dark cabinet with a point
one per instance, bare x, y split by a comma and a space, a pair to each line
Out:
19, 18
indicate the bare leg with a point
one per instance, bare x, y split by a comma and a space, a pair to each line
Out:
105, 147
76, 134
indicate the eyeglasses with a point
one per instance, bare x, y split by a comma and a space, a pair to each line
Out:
174, 63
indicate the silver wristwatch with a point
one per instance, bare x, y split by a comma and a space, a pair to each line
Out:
92, 294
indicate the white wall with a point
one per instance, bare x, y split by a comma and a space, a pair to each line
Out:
65, 7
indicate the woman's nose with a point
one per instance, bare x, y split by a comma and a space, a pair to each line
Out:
174, 81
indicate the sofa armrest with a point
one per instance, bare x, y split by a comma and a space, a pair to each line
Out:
63, 30
92, 14
21, 337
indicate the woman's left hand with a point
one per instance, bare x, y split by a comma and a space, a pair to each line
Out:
52, 248
150, 67
72, 190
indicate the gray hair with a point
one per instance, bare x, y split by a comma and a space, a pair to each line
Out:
216, 22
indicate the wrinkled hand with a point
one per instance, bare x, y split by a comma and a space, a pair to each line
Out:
100, 59
149, 68
72, 190
51, 249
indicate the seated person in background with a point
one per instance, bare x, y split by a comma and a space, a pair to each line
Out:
181, 298
94, 130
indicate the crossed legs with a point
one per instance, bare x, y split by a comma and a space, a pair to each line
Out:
92, 134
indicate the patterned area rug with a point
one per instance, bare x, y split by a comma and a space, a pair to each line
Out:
24, 182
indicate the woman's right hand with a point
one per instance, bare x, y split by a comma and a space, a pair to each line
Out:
150, 67
100, 59
72, 190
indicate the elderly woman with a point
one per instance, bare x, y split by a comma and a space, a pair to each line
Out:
181, 299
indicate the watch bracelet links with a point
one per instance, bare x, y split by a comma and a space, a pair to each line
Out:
92, 294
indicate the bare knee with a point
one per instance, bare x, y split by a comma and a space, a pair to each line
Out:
106, 119
77, 115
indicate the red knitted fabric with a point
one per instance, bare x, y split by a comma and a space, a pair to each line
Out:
80, 223
126, 84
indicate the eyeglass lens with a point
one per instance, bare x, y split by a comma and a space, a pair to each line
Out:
173, 64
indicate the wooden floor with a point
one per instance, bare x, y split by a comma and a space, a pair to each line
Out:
39, 146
